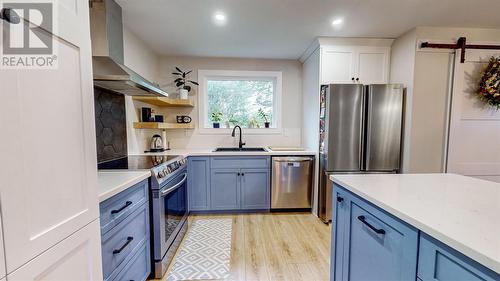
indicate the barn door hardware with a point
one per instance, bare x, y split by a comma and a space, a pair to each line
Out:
462, 45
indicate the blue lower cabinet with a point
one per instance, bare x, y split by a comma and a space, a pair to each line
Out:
340, 213
138, 268
224, 189
370, 244
199, 183
379, 247
438, 262
373, 245
221, 183
125, 235
118, 207
255, 189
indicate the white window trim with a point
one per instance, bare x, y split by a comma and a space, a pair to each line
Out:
204, 75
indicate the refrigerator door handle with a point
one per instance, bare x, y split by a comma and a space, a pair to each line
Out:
368, 128
363, 134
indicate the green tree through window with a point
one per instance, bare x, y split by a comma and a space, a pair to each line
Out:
240, 100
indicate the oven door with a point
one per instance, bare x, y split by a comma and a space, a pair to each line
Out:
170, 212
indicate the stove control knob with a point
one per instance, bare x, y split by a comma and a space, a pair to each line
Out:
161, 174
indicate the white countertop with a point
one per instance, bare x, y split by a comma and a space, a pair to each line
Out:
461, 212
110, 183
210, 152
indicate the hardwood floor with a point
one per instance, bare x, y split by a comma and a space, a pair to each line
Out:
277, 246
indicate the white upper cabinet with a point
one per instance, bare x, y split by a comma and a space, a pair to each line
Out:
48, 175
337, 65
372, 65
354, 64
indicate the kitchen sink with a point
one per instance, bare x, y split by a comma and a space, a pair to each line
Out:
244, 149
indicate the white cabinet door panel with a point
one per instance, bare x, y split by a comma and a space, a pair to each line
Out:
372, 65
337, 65
77, 257
48, 170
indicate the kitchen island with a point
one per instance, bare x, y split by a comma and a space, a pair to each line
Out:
426, 226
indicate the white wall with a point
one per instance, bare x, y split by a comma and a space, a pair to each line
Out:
402, 71
310, 111
432, 85
143, 60
291, 104
139, 56
310, 101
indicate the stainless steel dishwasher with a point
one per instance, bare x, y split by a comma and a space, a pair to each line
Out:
291, 182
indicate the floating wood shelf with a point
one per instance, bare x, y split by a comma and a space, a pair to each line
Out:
162, 126
165, 102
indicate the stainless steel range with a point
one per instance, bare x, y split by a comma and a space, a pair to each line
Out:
169, 211
168, 202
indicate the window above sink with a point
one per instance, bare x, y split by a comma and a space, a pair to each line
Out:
239, 95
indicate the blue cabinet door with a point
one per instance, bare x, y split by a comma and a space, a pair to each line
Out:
199, 183
376, 246
225, 189
438, 262
255, 192
340, 203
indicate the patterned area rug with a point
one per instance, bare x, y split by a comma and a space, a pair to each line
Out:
205, 253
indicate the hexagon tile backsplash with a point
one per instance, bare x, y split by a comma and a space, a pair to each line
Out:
110, 124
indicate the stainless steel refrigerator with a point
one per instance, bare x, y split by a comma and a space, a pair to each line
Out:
360, 132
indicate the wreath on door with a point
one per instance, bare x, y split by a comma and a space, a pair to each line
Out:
489, 86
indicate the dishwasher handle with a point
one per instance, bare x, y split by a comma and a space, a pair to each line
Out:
292, 159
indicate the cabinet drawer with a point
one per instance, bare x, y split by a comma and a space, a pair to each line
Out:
235, 162
438, 262
121, 241
117, 208
380, 247
138, 268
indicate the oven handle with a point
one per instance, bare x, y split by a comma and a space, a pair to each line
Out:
165, 192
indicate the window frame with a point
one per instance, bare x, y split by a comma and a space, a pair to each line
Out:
203, 119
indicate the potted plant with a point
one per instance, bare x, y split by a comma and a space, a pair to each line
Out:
216, 118
253, 123
264, 117
232, 122
182, 82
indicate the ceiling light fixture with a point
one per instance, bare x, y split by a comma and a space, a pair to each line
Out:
220, 18
337, 22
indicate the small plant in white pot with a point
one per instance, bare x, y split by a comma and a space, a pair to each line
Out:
216, 118
182, 82
264, 116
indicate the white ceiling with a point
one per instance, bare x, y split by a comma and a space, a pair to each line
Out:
285, 28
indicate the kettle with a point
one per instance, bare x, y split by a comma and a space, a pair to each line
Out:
156, 144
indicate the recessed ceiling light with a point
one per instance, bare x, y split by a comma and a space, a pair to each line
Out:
337, 22
220, 18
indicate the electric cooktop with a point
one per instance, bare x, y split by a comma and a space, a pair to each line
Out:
136, 162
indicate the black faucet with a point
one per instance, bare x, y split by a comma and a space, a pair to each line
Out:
240, 144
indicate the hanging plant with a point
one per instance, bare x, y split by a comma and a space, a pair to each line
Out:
489, 86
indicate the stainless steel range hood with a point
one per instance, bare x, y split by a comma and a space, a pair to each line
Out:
107, 53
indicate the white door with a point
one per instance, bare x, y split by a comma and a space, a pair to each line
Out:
337, 65
75, 258
48, 170
372, 65
474, 127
